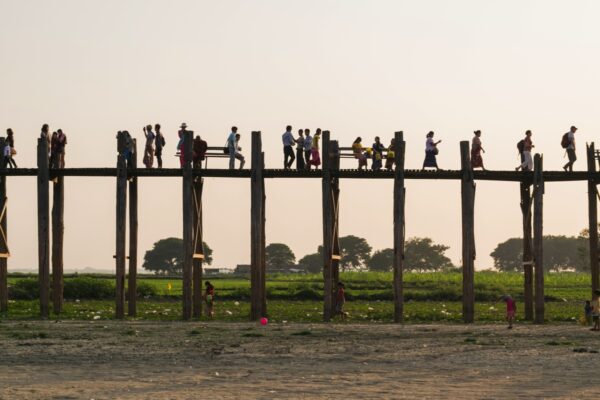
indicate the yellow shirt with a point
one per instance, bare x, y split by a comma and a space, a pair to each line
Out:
315, 143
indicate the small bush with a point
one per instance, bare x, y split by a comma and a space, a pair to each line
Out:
145, 289
24, 289
85, 287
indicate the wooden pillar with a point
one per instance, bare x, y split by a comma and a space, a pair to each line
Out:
198, 249
257, 230
188, 222
4, 245
334, 157
263, 241
43, 190
593, 219
468, 233
133, 235
538, 234
121, 228
399, 220
527, 250
328, 229
58, 230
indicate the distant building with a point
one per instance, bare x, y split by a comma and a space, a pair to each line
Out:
215, 271
242, 269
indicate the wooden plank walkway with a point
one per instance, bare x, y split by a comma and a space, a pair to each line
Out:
507, 176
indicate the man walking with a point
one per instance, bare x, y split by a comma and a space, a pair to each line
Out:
570, 142
149, 148
288, 150
232, 146
525, 146
159, 144
307, 147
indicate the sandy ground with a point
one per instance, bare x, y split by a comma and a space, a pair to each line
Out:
176, 360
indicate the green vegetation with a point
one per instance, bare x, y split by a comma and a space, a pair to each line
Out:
433, 296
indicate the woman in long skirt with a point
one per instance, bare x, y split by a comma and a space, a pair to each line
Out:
476, 149
315, 158
431, 152
357, 150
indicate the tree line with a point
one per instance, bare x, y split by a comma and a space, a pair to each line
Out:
561, 253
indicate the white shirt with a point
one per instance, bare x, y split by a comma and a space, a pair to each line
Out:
429, 144
288, 139
149, 138
308, 143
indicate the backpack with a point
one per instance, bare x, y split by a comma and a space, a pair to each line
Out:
521, 146
565, 142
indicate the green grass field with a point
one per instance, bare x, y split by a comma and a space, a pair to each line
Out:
296, 298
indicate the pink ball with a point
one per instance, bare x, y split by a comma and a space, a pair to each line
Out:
264, 321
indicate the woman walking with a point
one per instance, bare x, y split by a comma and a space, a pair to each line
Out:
525, 146
315, 158
359, 154
209, 298
476, 150
431, 151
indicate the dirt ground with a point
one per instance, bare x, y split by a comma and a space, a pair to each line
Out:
176, 360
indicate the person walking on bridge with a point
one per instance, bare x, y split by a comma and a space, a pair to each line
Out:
378, 148
10, 141
569, 141
300, 150
159, 143
149, 148
307, 147
476, 150
232, 146
524, 146
288, 149
61, 143
431, 151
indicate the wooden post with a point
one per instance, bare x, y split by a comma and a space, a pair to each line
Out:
43, 226
327, 193
121, 228
527, 251
263, 240
334, 156
399, 220
468, 235
4, 244
133, 236
257, 230
593, 219
188, 222
58, 230
538, 234
198, 249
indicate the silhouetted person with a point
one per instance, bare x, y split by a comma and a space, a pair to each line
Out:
199, 150
431, 152
571, 149
288, 150
238, 151
307, 147
358, 151
476, 150
10, 142
377, 154
53, 150
232, 146
390, 157
300, 150
525, 146
149, 148
159, 143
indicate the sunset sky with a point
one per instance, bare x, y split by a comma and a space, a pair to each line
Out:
356, 68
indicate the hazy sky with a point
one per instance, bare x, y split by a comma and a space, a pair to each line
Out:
354, 67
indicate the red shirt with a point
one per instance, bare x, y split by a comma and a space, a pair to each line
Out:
510, 305
340, 295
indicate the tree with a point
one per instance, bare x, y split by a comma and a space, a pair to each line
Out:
166, 257
381, 260
421, 254
312, 263
355, 252
560, 253
279, 255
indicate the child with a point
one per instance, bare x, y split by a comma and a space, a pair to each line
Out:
596, 311
511, 309
209, 297
340, 300
588, 312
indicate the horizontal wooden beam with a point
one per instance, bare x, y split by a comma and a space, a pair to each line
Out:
503, 176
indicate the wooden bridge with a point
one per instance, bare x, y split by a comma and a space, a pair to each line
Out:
531, 192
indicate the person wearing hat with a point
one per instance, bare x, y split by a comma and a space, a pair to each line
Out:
571, 149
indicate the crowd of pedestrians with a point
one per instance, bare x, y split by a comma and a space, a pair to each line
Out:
303, 149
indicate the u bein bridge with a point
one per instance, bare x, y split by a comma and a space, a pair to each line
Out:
531, 193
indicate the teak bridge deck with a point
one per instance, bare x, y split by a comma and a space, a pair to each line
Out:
531, 192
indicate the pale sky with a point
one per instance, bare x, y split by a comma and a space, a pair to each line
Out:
364, 68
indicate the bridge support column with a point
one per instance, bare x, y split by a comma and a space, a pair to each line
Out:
58, 230
3, 240
133, 236
258, 306
188, 221
198, 248
121, 227
538, 235
43, 194
399, 221
468, 233
593, 219
527, 250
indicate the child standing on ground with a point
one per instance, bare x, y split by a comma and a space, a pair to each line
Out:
588, 312
596, 311
209, 298
511, 309
340, 300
